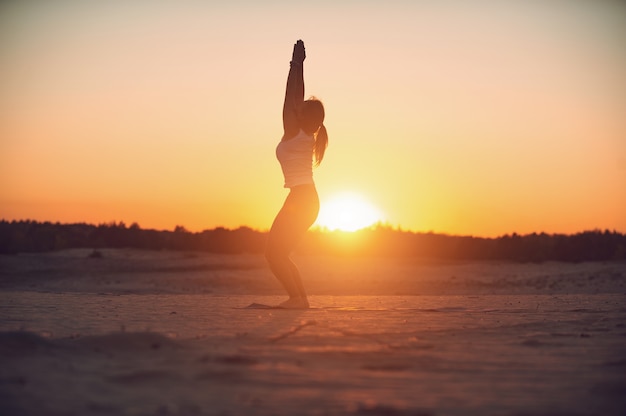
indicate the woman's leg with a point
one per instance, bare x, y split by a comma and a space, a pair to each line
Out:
293, 220
281, 266
281, 242
297, 279
288, 275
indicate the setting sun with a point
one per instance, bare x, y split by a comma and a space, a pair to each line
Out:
347, 212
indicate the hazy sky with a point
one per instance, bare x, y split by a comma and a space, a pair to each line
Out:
464, 117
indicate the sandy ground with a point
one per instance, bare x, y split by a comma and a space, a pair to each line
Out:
161, 333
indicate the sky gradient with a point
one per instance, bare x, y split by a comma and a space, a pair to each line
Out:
461, 117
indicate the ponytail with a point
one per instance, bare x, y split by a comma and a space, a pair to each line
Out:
321, 143
312, 122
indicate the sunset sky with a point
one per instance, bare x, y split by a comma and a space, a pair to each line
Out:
461, 117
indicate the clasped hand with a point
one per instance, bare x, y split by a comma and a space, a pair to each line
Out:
299, 54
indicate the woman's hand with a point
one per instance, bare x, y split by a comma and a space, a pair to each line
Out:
294, 93
299, 54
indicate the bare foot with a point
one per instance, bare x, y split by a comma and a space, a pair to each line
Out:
295, 303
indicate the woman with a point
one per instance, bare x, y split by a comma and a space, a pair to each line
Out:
304, 137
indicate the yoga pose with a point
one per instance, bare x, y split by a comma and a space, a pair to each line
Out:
304, 139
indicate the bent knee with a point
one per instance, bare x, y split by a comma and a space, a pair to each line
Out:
275, 254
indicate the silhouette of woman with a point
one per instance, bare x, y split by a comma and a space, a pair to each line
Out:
304, 138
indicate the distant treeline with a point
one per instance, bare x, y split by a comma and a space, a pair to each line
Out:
31, 236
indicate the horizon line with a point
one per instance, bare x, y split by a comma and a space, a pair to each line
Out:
316, 228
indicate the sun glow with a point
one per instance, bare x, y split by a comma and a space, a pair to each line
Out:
347, 212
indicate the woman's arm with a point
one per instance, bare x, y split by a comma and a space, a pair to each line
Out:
294, 94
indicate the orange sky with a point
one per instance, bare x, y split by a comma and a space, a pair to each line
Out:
463, 117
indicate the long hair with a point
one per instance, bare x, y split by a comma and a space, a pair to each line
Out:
312, 120
321, 143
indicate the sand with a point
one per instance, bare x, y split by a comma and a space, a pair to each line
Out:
162, 333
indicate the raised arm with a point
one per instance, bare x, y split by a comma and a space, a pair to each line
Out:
294, 94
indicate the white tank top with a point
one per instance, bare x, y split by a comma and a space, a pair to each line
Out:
296, 159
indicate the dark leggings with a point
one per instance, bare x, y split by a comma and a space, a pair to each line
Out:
293, 220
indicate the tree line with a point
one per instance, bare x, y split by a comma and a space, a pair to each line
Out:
596, 245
